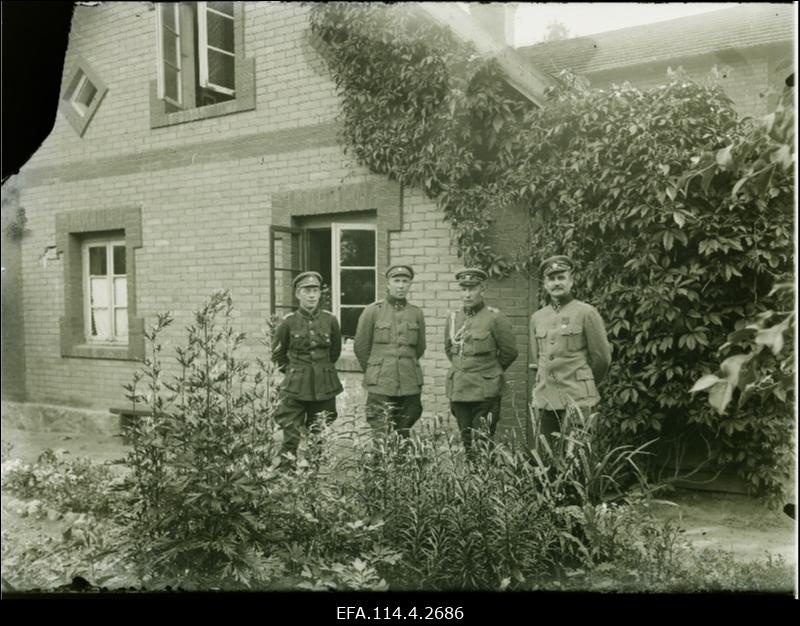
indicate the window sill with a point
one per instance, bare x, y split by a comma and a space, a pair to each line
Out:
245, 101
116, 352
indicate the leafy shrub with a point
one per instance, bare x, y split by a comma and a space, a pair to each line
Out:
78, 486
201, 472
680, 218
88, 547
758, 368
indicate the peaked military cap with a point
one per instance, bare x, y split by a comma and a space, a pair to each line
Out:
400, 270
308, 279
558, 263
471, 276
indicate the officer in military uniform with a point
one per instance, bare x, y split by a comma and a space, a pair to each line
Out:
570, 353
306, 346
480, 344
389, 341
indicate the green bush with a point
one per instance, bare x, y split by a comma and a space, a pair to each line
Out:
200, 484
68, 486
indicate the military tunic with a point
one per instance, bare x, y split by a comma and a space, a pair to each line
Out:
389, 341
480, 345
570, 353
306, 348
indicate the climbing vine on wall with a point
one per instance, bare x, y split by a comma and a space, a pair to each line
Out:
420, 106
672, 255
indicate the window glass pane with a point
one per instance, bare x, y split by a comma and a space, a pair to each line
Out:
100, 323
170, 41
220, 32
168, 15
97, 261
221, 69
170, 83
350, 321
99, 291
357, 286
87, 93
222, 7
119, 259
121, 322
357, 247
121, 291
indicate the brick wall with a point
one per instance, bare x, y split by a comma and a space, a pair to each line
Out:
12, 320
205, 190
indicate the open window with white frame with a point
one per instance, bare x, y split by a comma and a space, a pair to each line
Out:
343, 249
196, 53
105, 290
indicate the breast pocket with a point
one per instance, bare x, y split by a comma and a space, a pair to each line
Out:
383, 333
479, 343
409, 333
573, 339
300, 341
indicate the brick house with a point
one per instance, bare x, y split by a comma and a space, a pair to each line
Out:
196, 149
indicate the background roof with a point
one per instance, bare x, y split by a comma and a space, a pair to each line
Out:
738, 27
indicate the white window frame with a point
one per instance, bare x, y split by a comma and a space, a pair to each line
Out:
336, 267
203, 47
177, 64
80, 107
108, 244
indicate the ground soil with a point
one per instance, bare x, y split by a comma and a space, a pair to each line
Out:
724, 521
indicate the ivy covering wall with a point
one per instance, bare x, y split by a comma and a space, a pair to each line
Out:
678, 213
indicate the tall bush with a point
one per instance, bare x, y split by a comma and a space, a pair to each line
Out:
200, 500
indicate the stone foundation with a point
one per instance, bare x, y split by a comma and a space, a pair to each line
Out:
51, 418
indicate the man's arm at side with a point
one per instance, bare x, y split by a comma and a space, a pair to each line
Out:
597, 344
362, 344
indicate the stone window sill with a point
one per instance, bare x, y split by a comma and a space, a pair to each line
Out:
118, 352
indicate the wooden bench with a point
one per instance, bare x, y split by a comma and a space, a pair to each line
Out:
127, 416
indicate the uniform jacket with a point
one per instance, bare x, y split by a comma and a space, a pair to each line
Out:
480, 345
307, 346
390, 339
570, 353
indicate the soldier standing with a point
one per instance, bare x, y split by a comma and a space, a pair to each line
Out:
389, 341
480, 344
307, 344
570, 353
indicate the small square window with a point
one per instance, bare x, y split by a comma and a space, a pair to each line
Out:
82, 96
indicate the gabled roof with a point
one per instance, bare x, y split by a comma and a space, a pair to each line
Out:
738, 27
